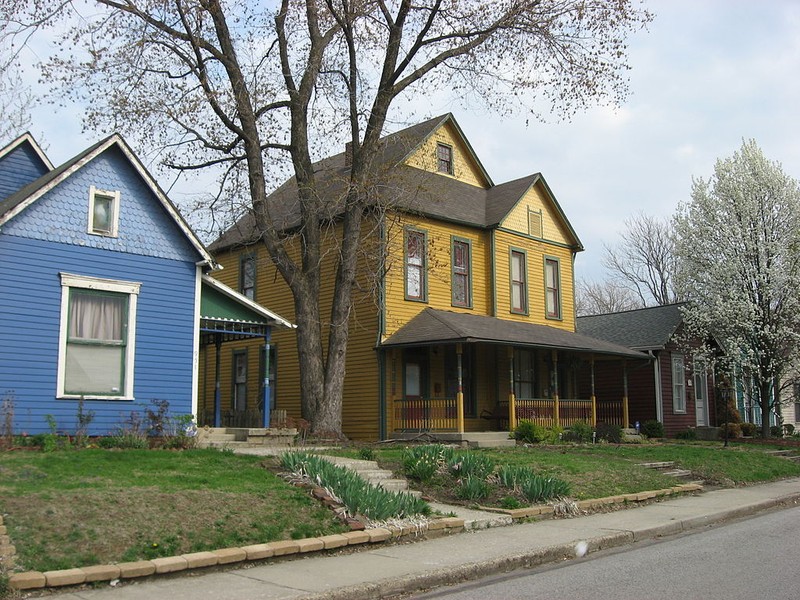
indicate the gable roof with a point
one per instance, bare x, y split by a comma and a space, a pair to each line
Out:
432, 326
642, 329
27, 138
16, 203
219, 302
404, 187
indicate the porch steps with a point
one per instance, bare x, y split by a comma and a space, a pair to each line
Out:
629, 434
787, 454
242, 437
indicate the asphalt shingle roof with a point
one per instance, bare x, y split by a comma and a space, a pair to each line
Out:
642, 329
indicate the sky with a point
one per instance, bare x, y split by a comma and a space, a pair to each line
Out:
706, 74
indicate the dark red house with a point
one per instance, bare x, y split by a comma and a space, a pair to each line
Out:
674, 388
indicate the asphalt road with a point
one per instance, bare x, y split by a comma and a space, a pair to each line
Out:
753, 558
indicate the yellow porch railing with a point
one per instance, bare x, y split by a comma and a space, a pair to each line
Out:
426, 414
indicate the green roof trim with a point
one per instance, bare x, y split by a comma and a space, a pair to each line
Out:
218, 302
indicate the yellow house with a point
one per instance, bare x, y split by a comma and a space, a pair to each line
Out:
464, 320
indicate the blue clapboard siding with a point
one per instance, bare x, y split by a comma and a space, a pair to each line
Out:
18, 168
50, 237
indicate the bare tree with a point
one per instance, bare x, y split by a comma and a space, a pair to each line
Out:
601, 297
738, 252
249, 87
644, 260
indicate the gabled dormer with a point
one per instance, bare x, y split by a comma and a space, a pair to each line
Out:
21, 162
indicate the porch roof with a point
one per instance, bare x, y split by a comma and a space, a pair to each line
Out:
445, 327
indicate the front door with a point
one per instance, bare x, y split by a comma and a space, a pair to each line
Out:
701, 396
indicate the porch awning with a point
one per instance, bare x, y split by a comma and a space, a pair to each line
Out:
444, 327
227, 313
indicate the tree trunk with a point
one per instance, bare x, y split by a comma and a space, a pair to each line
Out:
764, 401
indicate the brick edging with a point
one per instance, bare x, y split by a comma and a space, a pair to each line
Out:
30, 580
8, 552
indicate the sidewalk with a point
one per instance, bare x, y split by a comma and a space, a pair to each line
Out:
392, 569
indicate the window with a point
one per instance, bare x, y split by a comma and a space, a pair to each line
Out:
461, 273
678, 385
519, 291
444, 156
524, 373
415, 265
239, 400
96, 343
552, 283
796, 390
247, 277
103, 212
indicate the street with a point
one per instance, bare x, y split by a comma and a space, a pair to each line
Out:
752, 558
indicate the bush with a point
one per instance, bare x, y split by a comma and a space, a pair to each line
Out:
776, 431
686, 434
529, 432
609, 432
579, 431
788, 429
734, 430
748, 429
652, 429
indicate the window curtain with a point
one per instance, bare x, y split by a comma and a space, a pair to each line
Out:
96, 317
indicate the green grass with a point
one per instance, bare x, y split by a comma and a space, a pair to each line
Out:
74, 508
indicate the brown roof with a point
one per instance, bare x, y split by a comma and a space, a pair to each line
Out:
396, 184
433, 326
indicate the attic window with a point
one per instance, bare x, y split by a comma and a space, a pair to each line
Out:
103, 212
444, 156
535, 224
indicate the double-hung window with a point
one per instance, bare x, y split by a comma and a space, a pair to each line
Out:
519, 282
461, 273
96, 342
444, 158
552, 282
416, 283
247, 277
678, 384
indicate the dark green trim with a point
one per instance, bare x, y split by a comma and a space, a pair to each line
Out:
526, 308
559, 286
545, 240
453, 241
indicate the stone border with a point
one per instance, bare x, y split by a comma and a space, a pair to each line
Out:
31, 580
7, 550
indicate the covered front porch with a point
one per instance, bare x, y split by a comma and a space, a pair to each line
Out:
456, 372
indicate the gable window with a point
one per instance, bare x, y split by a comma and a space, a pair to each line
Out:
519, 283
103, 212
247, 277
678, 384
552, 283
416, 283
444, 158
461, 273
96, 342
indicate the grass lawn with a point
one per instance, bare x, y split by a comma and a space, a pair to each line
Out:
80, 507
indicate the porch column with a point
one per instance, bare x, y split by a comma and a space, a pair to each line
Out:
265, 413
593, 397
512, 399
460, 392
554, 375
217, 394
624, 393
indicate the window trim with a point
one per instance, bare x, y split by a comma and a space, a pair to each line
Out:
450, 164
468, 275
114, 196
408, 232
559, 313
242, 260
70, 281
524, 310
678, 384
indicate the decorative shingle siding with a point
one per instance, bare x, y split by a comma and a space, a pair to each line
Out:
30, 298
61, 215
18, 168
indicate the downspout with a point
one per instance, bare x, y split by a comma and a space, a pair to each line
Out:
657, 382
381, 331
493, 258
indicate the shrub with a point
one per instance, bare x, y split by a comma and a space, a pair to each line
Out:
529, 432
776, 431
580, 431
686, 434
470, 464
652, 429
788, 429
748, 429
609, 432
473, 487
734, 430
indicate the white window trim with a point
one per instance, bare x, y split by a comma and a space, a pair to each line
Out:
93, 193
678, 388
69, 281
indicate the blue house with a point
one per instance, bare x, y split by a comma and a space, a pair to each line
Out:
100, 292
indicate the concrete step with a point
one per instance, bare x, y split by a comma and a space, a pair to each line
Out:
496, 443
678, 473
668, 464
786, 453
391, 485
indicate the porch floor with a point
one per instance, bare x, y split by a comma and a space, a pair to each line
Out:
473, 439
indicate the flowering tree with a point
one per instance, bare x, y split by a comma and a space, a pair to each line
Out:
738, 257
245, 85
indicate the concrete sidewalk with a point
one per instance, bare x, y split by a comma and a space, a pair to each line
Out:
391, 569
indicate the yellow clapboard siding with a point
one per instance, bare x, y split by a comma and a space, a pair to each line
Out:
536, 199
464, 166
